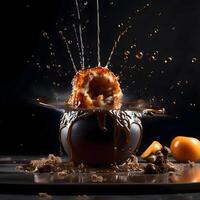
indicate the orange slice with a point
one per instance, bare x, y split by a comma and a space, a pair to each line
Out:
154, 147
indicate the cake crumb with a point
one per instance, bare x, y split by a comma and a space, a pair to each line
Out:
191, 163
96, 179
131, 164
62, 173
82, 197
44, 196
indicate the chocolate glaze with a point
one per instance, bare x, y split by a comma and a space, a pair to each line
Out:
100, 137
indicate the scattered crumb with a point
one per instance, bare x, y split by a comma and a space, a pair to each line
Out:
82, 197
191, 163
54, 164
131, 164
82, 168
62, 173
44, 196
50, 165
96, 179
19, 168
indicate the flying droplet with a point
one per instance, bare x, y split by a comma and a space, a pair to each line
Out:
194, 60
127, 53
186, 82
139, 55
45, 34
133, 82
152, 58
60, 32
168, 60
162, 71
85, 3
156, 31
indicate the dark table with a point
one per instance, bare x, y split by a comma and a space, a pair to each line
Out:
10, 179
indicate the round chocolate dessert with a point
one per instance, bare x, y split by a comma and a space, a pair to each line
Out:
97, 132
100, 137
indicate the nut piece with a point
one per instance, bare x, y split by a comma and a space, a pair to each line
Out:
96, 179
152, 158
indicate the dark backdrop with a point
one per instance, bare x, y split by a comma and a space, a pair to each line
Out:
30, 70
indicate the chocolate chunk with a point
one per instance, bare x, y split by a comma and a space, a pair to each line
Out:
165, 151
160, 160
151, 169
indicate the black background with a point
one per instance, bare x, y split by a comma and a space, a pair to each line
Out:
27, 128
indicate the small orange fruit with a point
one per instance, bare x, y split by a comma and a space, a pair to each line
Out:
154, 147
185, 148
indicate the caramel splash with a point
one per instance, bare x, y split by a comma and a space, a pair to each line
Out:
95, 87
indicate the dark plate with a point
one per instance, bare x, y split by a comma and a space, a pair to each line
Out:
14, 182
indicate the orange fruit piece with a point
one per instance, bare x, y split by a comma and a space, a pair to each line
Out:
184, 149
154, 147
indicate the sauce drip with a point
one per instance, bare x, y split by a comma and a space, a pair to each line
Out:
122, 120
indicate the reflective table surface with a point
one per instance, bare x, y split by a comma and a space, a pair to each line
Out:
184, 185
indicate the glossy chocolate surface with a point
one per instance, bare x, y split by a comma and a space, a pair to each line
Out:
100, 137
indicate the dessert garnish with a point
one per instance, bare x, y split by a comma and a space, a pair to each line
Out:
185, 149
159, 162
152, 149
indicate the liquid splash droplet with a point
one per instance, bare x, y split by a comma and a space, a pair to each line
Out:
168, 60
194, 60
139, 55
